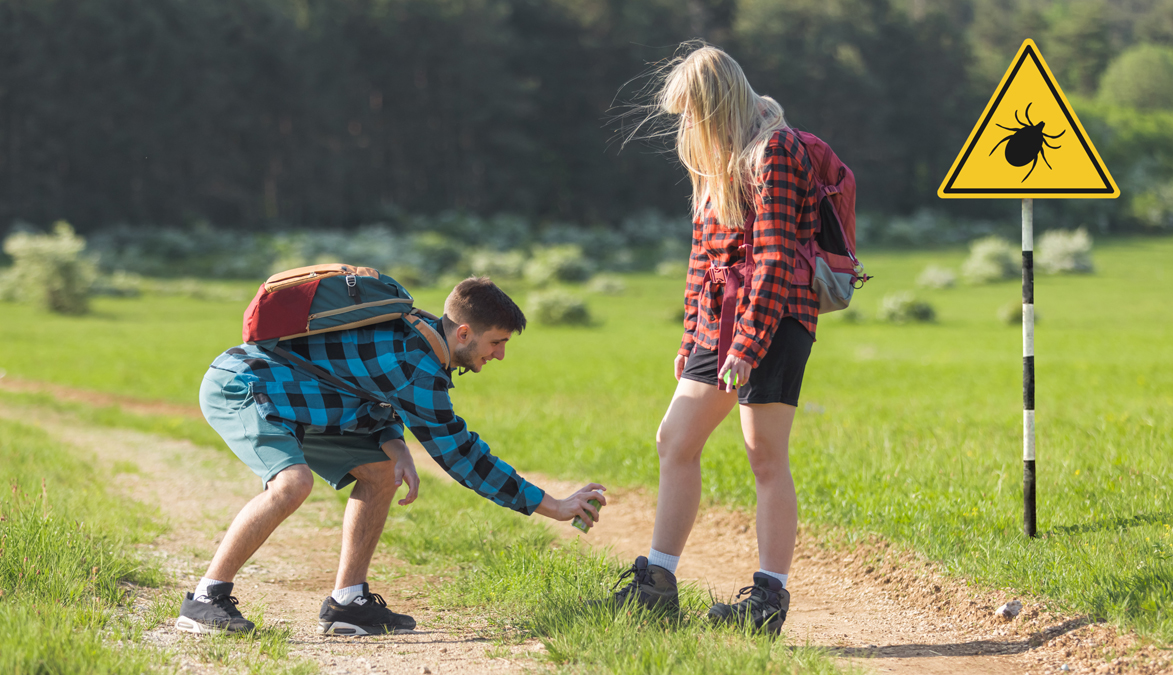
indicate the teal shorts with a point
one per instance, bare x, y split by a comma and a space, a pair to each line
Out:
266, 447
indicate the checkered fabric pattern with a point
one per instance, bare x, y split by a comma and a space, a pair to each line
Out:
786, 214
393, 362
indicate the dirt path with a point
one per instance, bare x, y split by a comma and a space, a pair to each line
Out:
881, 609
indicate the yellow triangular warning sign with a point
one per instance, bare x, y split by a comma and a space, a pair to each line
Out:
1028, 143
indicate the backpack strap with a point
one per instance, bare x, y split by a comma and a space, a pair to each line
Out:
324, 375
439, 345
415, 319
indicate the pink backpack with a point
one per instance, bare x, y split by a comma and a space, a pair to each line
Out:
827, 263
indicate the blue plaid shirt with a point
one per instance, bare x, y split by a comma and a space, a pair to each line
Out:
394, 363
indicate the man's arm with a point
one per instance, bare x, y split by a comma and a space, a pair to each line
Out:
426, 408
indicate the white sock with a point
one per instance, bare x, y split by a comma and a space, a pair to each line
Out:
201, 589
779, 577
344, 596
668, 562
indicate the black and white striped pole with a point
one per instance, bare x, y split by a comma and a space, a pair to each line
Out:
1028, 368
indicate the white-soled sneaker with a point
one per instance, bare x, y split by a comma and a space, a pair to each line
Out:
365, 615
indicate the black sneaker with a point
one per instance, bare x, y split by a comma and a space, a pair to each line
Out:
764, 609
215, 617
365, 615
651, 587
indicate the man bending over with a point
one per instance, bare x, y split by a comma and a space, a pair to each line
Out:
283, 423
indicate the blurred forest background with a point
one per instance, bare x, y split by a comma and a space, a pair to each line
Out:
167, 123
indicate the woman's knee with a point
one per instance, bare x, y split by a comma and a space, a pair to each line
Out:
676, 447
768, 462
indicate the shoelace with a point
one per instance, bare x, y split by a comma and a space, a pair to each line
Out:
377, 599
638, 577
217, 600
763, 596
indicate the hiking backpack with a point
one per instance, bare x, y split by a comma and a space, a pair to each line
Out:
827, 263
326, 298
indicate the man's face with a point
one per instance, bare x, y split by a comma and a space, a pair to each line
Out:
472, 351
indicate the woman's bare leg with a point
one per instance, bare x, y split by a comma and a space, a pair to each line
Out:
767, 442
696, 410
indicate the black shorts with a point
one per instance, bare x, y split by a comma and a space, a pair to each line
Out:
778, 377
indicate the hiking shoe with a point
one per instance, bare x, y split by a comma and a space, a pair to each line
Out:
764, 609
365, 615
651, 587
219, 615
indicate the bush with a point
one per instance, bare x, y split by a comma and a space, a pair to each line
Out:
1011, 313
607, 284
1140, 77
1065, 251
49, 270
935, 276
905, 307
990, 259
557, 263
558, 308
498, 265
672, 268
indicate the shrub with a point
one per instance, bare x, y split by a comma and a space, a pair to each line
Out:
1065, 251
672, 268
1011, 313
607, 284
557, 263
990, 259
498, 265
935, 276
49, 270
905, 307
558, 308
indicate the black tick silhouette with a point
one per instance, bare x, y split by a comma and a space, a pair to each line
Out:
1026, 143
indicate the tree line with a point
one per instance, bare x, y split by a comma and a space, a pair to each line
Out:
260, 114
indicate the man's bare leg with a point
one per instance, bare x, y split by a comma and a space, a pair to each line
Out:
362, 524
257, 520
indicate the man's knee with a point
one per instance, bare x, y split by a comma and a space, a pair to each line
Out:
377, 478
292, 484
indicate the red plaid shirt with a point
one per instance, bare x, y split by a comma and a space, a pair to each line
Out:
786, 214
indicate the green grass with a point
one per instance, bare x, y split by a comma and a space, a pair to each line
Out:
509, 572
63, 559
912, 432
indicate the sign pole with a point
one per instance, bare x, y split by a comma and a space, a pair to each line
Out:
1000, 160
1028, 369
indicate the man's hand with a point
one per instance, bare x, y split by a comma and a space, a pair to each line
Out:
574, 505
404, 469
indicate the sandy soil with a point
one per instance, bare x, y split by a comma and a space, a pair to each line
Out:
884, 610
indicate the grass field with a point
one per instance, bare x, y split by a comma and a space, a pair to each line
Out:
911, 432
63, 553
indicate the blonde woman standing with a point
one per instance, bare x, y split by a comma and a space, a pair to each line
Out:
752, 186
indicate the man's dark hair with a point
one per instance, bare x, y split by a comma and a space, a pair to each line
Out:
478, 302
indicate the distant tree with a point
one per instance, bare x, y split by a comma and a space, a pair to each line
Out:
1141, 78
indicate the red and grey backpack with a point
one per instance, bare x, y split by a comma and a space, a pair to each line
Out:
827, 263
326, 298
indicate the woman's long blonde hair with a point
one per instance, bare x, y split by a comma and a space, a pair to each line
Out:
723, 129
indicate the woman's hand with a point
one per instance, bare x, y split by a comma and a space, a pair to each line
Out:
404, 469
738, 370
679, 365
574, 505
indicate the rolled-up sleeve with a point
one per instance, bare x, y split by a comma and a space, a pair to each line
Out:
427, 409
